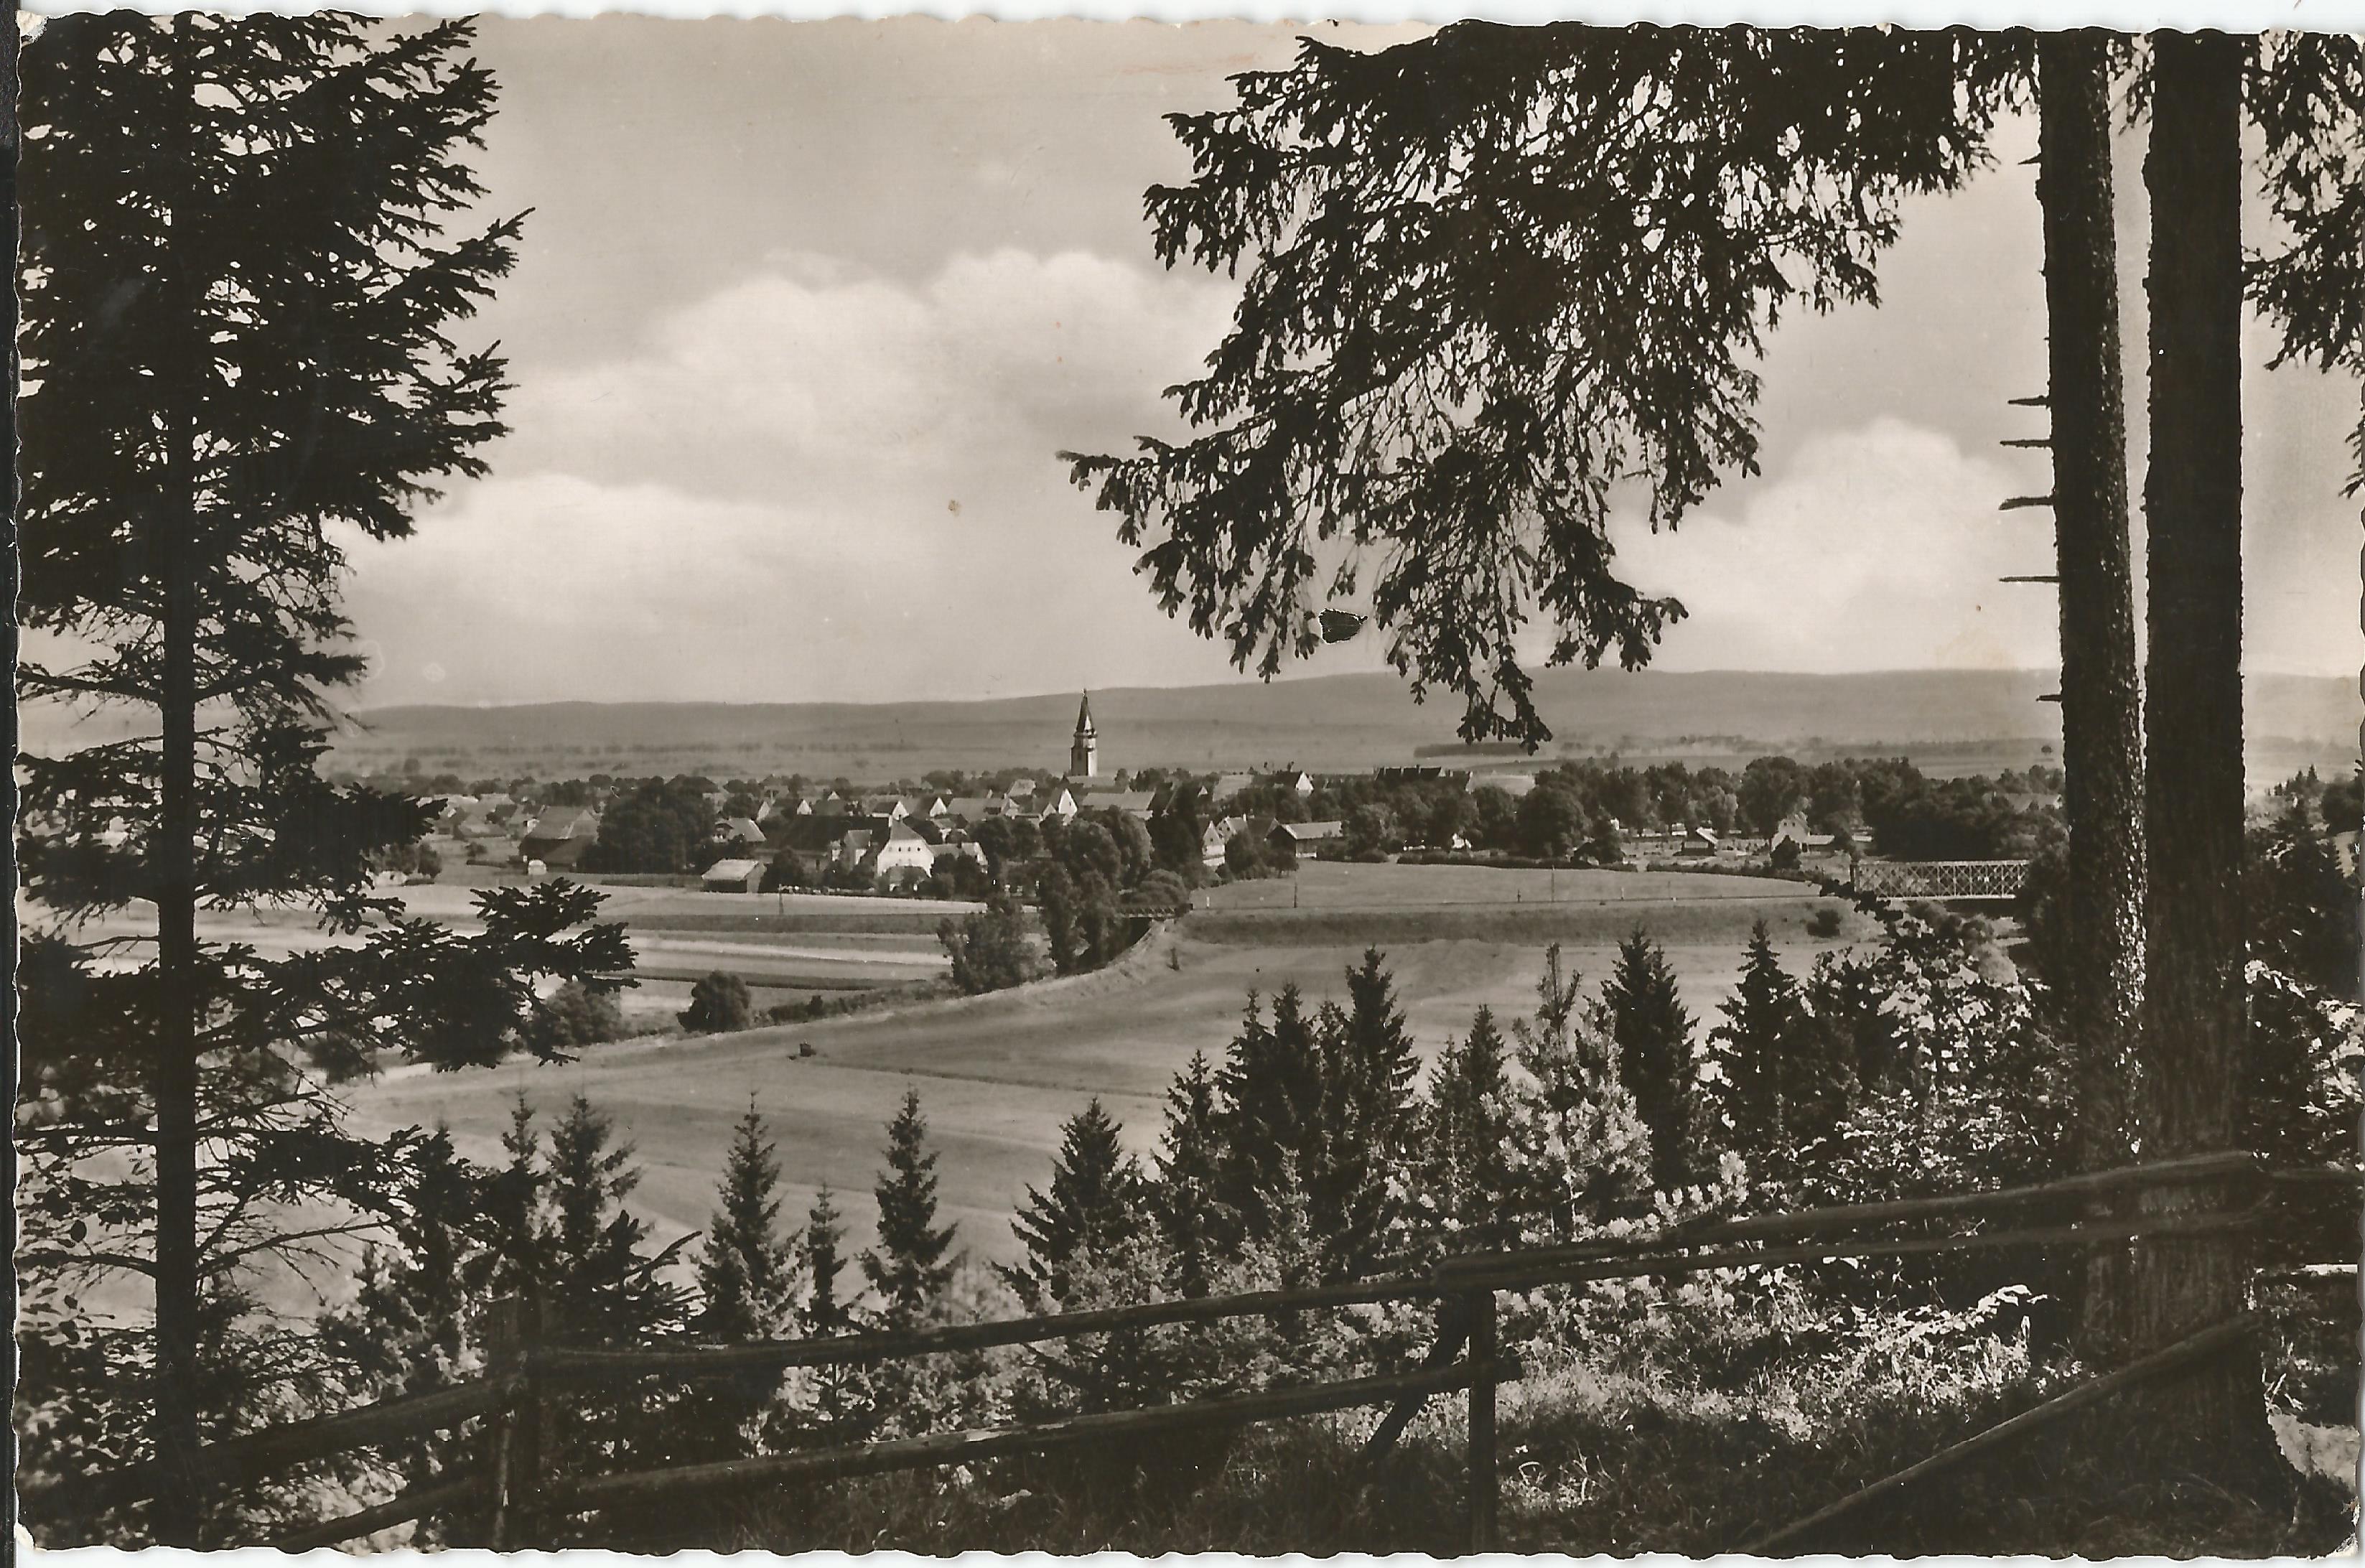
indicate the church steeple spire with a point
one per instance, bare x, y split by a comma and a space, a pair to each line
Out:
1083, 752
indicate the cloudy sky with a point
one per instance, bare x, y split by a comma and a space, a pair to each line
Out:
804, 309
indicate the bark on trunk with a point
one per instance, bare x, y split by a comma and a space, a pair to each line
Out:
175, 1511
2102, 740
2194, 1068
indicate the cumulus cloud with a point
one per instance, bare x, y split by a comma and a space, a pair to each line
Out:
813, 379
1877, 547
815, 483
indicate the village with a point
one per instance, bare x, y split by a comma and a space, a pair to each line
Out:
942, 834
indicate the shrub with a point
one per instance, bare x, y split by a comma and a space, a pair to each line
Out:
1823, 923
575, 1015
988, 949
718, 1005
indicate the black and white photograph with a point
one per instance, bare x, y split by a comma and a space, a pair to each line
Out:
1586, 785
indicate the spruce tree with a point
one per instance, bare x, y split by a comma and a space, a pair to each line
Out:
840, 1399
1093, 1205
824, 1312
748, 1270
1197, 1227
746, 1282
1654, 1031
1752, 1095
239, 309
1582, 1149
1468, 1189
1370, 1073
602, 1288
1270, 1089
908, 1267
413, 1323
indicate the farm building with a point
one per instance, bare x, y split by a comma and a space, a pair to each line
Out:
1306, 836
734, 877
1132, 802
1700, 840
560, 836
736, 831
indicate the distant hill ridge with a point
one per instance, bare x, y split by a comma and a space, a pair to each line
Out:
1354, 720
1335, 721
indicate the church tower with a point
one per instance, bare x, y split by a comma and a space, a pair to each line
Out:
1084, 751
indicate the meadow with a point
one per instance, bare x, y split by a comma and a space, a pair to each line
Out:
998, 1075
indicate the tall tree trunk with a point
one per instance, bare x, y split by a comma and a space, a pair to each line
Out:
2194, 1068
174, 870
2102, 739
9, 578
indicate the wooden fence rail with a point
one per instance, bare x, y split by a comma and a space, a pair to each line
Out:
1072, 1431
523, 1373
238, 1461
2183, 1356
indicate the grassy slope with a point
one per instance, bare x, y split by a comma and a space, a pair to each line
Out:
1000, 1074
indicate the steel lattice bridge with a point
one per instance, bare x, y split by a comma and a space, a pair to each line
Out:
1938, 879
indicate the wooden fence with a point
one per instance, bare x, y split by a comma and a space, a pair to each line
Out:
525, 1380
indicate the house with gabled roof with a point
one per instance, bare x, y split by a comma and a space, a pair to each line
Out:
1138, 803
560, 836
899, 856
1217, 836
733, 877
1306, 836
736, 831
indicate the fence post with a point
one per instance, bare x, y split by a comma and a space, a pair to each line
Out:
1480, 1315
517, 1423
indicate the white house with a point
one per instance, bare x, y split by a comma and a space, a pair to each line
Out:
1793, 829
897, 858
1218, 838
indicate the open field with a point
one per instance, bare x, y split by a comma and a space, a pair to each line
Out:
999, 1074
822, 944
1336, 884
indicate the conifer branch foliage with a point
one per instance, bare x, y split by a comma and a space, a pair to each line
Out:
238, 304
2306, 94
1490, 276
